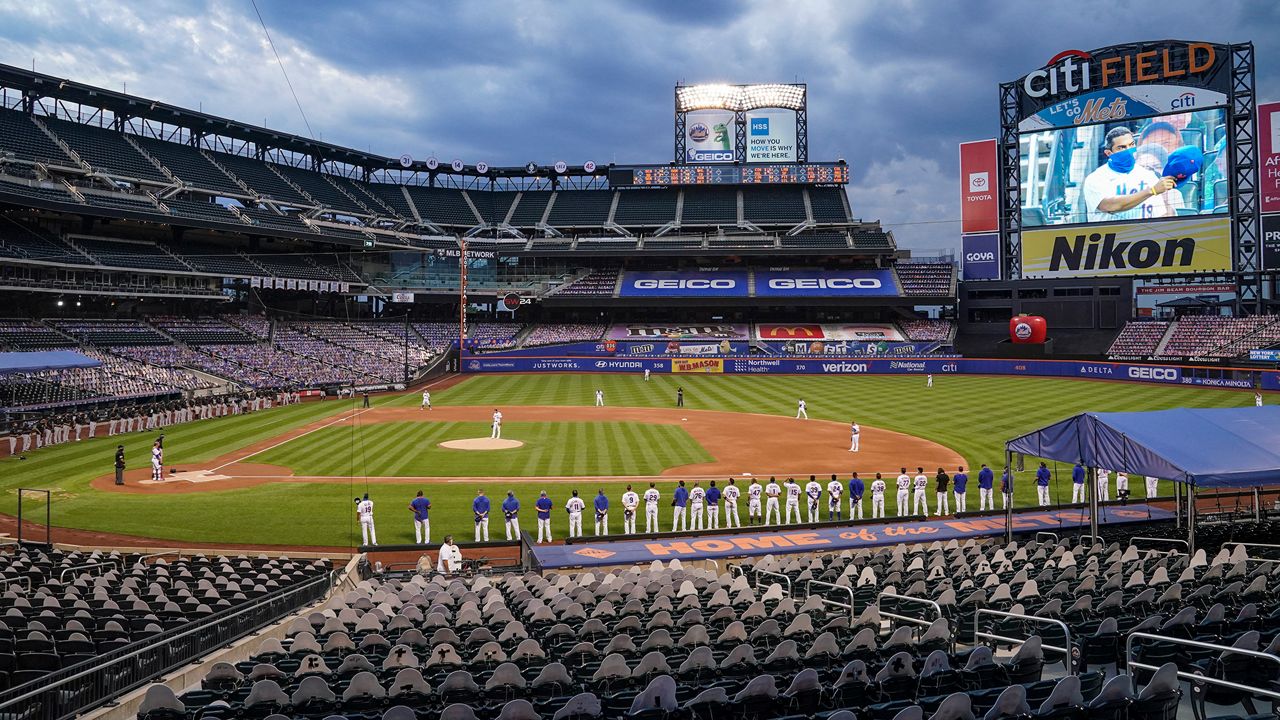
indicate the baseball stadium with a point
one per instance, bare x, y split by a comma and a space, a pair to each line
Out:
296, 430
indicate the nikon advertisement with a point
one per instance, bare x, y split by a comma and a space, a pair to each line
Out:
1141, 248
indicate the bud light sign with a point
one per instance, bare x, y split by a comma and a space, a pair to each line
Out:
981, 257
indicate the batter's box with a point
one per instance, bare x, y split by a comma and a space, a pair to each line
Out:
597, 553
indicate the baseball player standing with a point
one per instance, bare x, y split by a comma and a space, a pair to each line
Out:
877, 497
1153, 486
364, 511
929, 382
696, 497
426, 400
496, 433
679, 397
801, 412
157, 461
421, 508
1257, 399
772, 491
731, 494
904, 492
856, 490
646, 374
511, 513
986, 481
835, 489
793, 500
854, 433
1042, 484
943, 506
651, 497
480, 506
630, 503
599, 398
1122, 485
679, 499
713, 506
574, 507
1077, 483
1104, 485
1006, 488
602, 513
920, 501
755, 493
960, 486
813, 491
543, 506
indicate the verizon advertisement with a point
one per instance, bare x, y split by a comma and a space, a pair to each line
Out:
1269, 157
979, 209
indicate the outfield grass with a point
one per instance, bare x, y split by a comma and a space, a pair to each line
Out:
411, 449
973, 415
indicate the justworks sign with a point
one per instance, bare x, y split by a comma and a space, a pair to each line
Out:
1150, 248
1074, 71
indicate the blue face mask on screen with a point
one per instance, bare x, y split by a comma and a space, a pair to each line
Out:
1123, 161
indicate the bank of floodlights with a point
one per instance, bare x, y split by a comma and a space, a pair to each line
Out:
739, 97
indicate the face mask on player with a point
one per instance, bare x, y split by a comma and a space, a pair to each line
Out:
1122, 161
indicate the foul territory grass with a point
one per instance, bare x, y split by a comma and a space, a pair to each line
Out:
973, 415
412, 449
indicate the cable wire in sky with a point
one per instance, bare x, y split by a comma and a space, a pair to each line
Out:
284, 72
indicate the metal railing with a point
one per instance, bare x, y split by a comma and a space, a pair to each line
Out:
909, 600
1199, 677
1053, 535
90, 566
1166, 541
1092, 538
1250, 558
81, 687
766, 573
808, 592
1067, 664
23, 578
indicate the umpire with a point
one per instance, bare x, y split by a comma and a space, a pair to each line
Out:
119, 464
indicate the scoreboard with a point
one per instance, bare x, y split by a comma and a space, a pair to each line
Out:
755, 174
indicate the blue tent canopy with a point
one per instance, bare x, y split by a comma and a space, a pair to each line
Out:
1218, 447
13, 362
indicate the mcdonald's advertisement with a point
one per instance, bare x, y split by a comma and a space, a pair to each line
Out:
1142, 248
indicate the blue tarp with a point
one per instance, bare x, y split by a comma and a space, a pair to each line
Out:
12, 362
1218, 447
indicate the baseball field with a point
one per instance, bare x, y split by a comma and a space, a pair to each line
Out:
287, 476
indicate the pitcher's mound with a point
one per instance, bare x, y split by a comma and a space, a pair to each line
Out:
481, 444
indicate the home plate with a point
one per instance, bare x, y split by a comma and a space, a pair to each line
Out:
191, 476
481, 444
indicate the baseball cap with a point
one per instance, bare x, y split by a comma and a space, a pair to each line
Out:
1183, 163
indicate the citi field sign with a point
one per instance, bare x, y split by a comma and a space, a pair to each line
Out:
1161, 76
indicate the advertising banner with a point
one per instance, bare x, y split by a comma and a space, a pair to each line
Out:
700, 365
709, 136
1269, 157
979, 208
1197, 289
700, 331
1143, 248
864, 332
981, 257
674, 283
825, 283
1271, 242
847, 348
771, 136
1119, 104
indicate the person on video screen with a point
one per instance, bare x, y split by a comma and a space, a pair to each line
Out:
1153, 157
1121, 189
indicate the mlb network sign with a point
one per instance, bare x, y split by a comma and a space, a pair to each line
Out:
981, 257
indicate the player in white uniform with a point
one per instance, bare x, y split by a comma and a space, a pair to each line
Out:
754, 493
697, 503
651, 497
646, 374
801, 411
599, 398
813, 492
1122, 483
793, 500
1257, 399
630, 503
157, 461
364, 511
920, 501
1153, 486
929, 381
574, 507
1123, 189
835, 489
731, 493
1104, 485
426, 400
713, 506
877, 497
854, 433
904, 492
772, 491
496, 433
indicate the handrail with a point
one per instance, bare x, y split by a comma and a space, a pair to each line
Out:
63, 574
1053, 535
827, 601
922, 601
159, 554
1066, 633
23, 578
1250, 558
785, 579
1168, 541
1200, 677
1095, 538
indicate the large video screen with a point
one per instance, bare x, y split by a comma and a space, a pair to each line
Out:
1116, 170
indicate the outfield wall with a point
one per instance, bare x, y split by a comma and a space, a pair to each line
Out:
1127, 372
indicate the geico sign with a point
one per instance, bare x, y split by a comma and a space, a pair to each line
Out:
692, 284
824, 284
1153, 373
980, 256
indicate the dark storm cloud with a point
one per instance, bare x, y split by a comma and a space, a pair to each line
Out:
893, 86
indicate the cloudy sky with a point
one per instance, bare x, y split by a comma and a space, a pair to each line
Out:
894, 85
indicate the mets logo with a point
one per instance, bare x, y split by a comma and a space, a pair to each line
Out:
1022, 331
699, 132
473, 365
596, 553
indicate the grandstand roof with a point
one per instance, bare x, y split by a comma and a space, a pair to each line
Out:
15, 362
1217, 447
